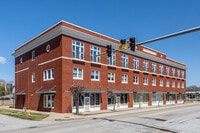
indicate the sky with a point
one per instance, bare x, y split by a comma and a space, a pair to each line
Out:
22, 20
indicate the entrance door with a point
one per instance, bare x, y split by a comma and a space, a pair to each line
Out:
118, 101
87, 103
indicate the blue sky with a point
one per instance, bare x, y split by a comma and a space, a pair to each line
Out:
21, 20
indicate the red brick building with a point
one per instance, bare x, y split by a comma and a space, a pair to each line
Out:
65, 55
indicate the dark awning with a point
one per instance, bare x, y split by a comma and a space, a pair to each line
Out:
20, 92
120, 91
46, 91
142, 92
172, 92
93, 91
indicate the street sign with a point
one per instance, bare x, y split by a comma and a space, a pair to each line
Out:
123, 47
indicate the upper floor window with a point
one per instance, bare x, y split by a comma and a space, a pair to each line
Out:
178, 74
124, 60
48, 74
124, 78
145, 81
161, 82
153, 81
183, 85
182, 74
95, 75
95, 54
77, 73
112, 59
135, 80
153, 67
178, 85
33, 77
167, 71
135, 63
173, 72
111, 77
167, 83
145, 65
161, 69
33, 55
77, 50
173, 84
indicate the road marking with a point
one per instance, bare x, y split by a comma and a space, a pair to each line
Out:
152, 114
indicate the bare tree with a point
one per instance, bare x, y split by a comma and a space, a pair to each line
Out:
76, 92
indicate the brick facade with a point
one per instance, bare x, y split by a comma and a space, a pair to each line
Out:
59, 57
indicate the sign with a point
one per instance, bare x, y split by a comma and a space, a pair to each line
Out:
123, 47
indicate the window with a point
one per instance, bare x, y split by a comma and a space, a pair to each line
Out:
33, 78
161, 69
153, 81
48, 101
77, 50
94, 54
182, 74
33, 55
182, 86
95, 75
173, 84
77, 73
124, 60
145, 81
161, 82
178, 74
48, 74
145, 65
135, 80
135, 63
124, 78
112, 59
95, 99
153, 67
111, 77
167, 83
178, 85
173, 72
167, 71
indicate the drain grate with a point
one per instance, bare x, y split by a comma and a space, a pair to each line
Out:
157, 119
197, 117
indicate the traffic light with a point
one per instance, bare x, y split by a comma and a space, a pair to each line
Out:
123, 41
109, 50
132, 43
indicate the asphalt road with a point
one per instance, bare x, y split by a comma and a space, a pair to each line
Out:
183, 118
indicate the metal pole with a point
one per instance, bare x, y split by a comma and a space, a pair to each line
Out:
170, 35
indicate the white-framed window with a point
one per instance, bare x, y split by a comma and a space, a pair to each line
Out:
95, 54
124, 78
145, 81
124, 60
135, 80
173, 72
112, 59
136, 63
48, 100
33, 55
167, 71
95, 75
77, 73
182, 74
161, 69
183, 85
178, 85
167, 83
161, 82
153, 67
77, 50
178, 73
173, 84
48, 74
111, 77
153, 81
33, 78
145, 65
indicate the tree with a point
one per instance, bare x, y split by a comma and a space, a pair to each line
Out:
76, 92
2, 90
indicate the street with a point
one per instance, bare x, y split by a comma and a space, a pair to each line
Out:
182, 118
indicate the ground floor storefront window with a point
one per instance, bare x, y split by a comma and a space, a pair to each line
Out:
117, 100
140, 99
170, 98
48, 100
87, 102
157, 98
180, 98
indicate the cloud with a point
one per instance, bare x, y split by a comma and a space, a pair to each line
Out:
2, 60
